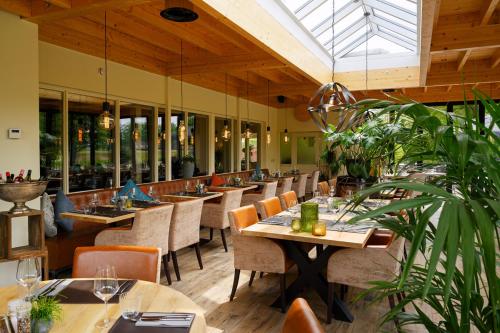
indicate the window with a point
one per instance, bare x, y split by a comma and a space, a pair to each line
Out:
285, 149
249, 155
162, 143
306, 150
91, 147
50, 121
222, 147
198, 142
176, 144
136, 143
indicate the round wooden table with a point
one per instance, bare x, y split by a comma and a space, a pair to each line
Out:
83, 317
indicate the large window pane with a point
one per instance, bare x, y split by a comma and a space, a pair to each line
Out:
306, 150
50, 122
162, 142
176, 144
249, 155
136, 143
222, 147
198, 142
91, 147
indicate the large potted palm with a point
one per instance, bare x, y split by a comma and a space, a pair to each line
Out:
457, 278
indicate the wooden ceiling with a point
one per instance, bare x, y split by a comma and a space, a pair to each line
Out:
460, 44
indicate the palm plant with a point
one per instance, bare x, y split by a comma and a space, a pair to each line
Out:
458, 278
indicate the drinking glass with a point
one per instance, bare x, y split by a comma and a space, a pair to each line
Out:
130, 306
94, 202
105, 287
316, 194
151, 192
348, 195
332, 191
28, 274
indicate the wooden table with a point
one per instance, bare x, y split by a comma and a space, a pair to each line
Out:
173, 197
246, 187
97, 218
311, 270
83, 317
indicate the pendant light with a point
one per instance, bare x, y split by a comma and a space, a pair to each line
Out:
179, 11
268, 130
332, 96
248, 132
106, 119
136, 134
286, 138
226, 132
181, 129
216, 136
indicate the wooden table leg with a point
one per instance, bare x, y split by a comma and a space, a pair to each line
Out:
45, 260
311, 275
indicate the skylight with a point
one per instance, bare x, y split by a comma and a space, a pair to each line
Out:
392, 25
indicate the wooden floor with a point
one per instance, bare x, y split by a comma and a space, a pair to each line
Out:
250, 310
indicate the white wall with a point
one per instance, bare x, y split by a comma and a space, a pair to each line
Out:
18, 109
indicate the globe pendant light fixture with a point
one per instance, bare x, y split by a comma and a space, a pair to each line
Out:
179, 11
268, 130
226, 132
332, 96
106, 119
181, 130
248, 132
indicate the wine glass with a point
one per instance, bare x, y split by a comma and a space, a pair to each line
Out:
332, 191
94, 202
151, 192
105, 287
28, 274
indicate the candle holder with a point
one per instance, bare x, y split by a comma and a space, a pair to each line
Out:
319, 228
308, 214
296, 225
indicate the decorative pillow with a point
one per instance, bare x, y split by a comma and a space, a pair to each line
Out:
216, 180
48, 216
63, 204
139, 195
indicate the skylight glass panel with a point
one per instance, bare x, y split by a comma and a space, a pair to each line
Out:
395, 19
350, 19
349, 40
408, 5
412, 41
293, 5
316, 16
376, 45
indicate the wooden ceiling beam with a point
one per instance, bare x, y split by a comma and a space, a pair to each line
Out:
42, 14
444, 74
487, 11
16, 7
495, 59
430, 13
60, 3
462, 59
465, 38
285, 89
225, 64
274, 75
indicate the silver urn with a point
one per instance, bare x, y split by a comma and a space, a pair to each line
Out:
20, 193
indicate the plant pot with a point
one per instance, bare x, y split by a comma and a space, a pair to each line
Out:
358, 169
345, 183
187, 170
41, 326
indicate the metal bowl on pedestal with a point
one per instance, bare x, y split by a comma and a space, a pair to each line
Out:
20, 193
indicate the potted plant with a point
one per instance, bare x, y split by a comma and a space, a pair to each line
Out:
458, 278
44, 311
188, 162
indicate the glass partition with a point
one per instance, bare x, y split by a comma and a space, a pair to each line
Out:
197, 131
250, 147
162, 143
91, 162
50, 124
136, 136
222, 147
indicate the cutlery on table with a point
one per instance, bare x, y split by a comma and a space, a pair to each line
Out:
51, 288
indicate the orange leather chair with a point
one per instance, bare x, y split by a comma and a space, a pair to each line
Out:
130, 262
301, 319
269, 207
287, 198
323, 188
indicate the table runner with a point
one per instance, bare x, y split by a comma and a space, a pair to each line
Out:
81, 292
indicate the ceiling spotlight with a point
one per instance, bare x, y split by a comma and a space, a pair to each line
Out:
179, 11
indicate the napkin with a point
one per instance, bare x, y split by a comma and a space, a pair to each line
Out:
60, 287
171, 322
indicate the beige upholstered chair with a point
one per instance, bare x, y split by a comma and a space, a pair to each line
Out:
151, 228
185, 230
379, 261
268, 191
300, 187
286, 185
312, 183
214, 215
256, 253
268, 207
288, 199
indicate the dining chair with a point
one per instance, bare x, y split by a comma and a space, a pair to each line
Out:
130, 262
378, 261
269, 207
286, 185
312, 183
268, 191
151, 228
300, 318
214, 215
323, 188
256, 253
300, 187
288, 199
185, 230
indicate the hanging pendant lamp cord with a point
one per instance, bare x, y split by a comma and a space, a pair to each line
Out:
248, 102
105, 56
366, 53
333, 40
182, 92
268, 103
225, 89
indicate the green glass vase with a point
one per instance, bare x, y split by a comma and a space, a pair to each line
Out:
308, 215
